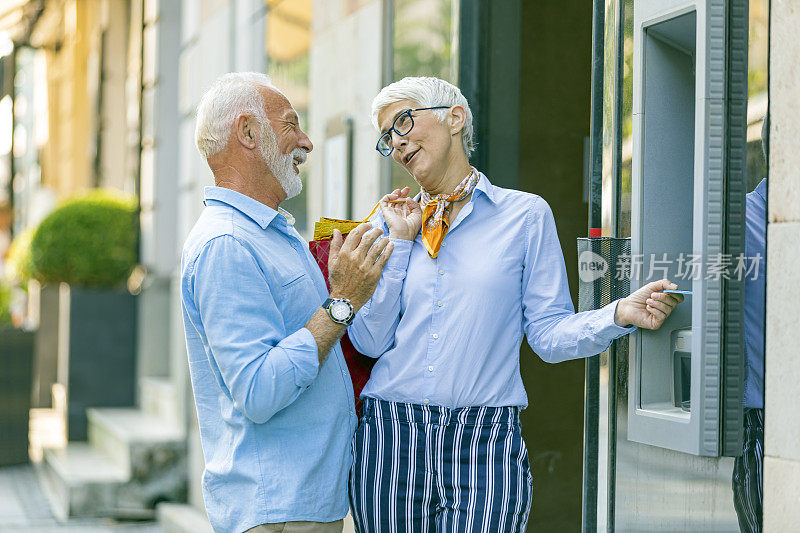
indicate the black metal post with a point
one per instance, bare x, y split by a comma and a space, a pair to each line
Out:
616, 171
592, 397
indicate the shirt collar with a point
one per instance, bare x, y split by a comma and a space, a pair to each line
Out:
485, 187
261, 214
761, 189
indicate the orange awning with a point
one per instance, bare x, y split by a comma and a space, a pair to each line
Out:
288, 31
16, 17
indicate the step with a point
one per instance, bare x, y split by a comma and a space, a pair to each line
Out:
159, 397
134, 438
81, 480
182, 518
150, 449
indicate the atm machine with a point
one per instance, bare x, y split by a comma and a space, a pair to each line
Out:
687, 222
675, 395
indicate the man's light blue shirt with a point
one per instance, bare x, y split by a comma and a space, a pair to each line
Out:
447, 331
275, 426
755, 238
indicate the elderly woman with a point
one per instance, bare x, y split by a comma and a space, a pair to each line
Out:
474, 267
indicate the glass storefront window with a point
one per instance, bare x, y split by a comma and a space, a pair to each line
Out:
624, 191
425, 44
757, 65
287, 45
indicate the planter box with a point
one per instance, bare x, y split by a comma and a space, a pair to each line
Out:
45, 363
100, 365
16, 376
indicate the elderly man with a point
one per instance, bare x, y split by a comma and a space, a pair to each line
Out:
273, 394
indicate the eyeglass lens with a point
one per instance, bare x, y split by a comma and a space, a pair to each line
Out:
402, 125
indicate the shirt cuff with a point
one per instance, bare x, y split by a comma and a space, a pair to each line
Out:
302, 352
605, 325
400, 255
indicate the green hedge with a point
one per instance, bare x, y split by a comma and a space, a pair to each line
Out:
88, 241
5, 304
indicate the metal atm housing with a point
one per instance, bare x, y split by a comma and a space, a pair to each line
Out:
689, 106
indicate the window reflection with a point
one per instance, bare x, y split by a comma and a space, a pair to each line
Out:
425, 44
758, 62
287, 44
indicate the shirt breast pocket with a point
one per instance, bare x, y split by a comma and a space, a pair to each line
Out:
295, 279
297, 299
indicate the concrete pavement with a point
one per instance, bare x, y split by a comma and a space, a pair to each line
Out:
24, 507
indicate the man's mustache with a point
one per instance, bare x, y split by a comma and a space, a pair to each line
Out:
299, 156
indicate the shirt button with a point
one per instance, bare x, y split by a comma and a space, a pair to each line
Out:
430, 369
435, 335
441, 272
439, 303
426, 401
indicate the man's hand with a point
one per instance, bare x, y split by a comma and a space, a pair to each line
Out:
355, 265
648, 307
402, 214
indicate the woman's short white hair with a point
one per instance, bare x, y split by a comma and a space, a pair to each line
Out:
427, 92
230, 96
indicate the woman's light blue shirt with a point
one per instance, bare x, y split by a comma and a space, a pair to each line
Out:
275, 425
447, 331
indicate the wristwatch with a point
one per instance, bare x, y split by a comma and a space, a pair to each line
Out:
340, 310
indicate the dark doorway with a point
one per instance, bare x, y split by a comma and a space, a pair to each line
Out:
526, 69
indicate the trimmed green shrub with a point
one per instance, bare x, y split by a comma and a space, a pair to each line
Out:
91, 241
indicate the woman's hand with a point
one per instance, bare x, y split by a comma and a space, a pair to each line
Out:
648, 307
402, 214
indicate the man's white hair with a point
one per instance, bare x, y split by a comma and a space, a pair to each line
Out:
230, 96
427, 92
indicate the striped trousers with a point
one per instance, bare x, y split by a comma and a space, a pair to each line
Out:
425, 468
748, 473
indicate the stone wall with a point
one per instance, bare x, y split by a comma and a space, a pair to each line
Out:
782, 424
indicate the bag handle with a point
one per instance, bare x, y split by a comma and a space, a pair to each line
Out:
374, 209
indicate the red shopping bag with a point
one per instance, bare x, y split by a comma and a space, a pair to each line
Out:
359, 365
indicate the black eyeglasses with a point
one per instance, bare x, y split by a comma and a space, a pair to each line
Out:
402, 126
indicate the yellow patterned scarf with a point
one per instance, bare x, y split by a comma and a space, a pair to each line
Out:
436, 212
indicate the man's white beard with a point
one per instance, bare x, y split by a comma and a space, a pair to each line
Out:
282, 165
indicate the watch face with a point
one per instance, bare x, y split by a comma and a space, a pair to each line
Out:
340, 311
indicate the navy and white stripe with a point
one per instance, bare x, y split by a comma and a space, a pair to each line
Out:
748, 474
426, 468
